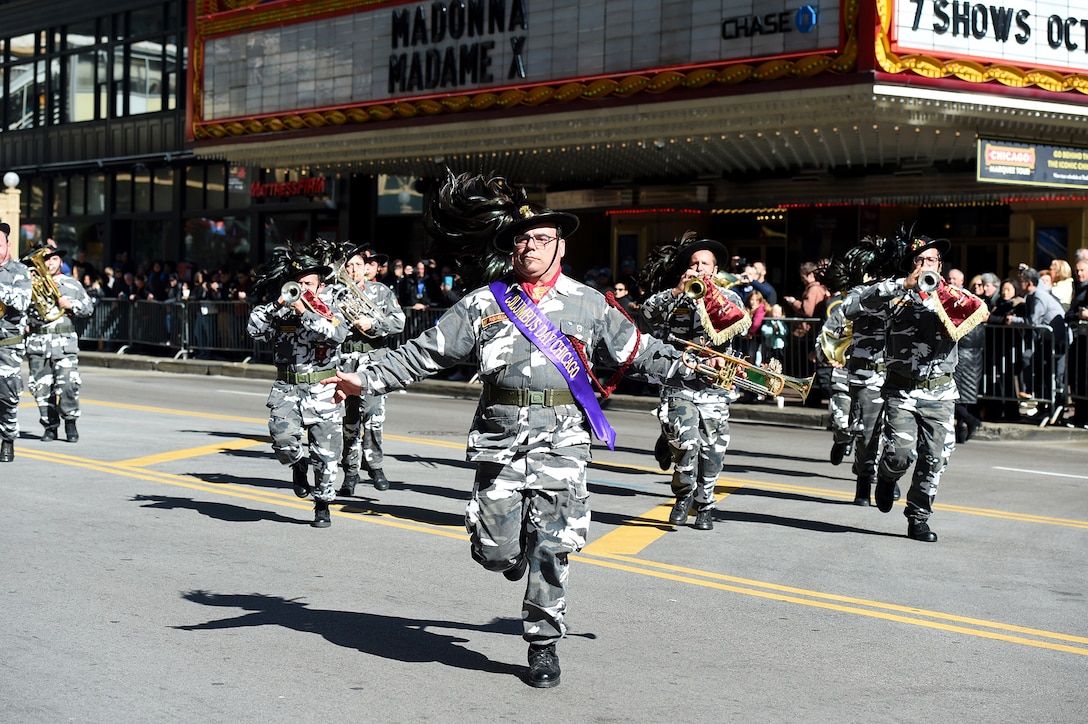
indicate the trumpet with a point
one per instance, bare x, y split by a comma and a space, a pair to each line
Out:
293, 291
928, 281
695, 287
758, 379
355, 305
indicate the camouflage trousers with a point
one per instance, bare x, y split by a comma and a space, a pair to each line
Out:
507, 520
11, 386
698, 434
838, 405
866, 426
304, 422
364, 418
55, 384
921, 431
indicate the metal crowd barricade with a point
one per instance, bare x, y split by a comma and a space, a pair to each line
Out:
1076, 366
1019, 365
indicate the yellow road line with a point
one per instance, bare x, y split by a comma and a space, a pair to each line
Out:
601, 557
192, 452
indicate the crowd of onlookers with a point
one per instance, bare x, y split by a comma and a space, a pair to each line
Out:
1056, 296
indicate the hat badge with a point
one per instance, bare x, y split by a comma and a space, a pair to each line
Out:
526, 212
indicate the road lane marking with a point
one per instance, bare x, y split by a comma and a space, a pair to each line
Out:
192, 452
1042, 472
640, 566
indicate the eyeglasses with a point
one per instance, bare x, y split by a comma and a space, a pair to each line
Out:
541, 242
918, 261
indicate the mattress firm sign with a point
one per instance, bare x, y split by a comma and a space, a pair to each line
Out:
1032, 164
410, 50
1024, 33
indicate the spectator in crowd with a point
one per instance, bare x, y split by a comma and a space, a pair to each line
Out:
1042, 308
991, 289
955, 278
813, 296
752, 346
623, 295
775, 335
968, 374
394, 279
206, 295
1078, 304
157, 280
759, 281
1061, 275
140, 292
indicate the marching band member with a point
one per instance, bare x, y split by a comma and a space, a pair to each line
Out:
15, 292
695, 422
52, 347
306, 334
382, 317
530, 333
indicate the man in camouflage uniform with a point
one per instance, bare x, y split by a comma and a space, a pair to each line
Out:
919, 391
15, 291
52, 350
306, 338
694, 418
530, 438
380, 317
874, 259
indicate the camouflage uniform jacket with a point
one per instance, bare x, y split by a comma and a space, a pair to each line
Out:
663, 314
301, 344
15, 291
388, 321
58, 338
917, 349
475, 327
866, 355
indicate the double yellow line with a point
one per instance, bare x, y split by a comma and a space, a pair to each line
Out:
615, 550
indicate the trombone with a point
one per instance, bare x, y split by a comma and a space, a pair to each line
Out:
758, 379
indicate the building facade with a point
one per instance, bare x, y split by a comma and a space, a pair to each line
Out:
212, 131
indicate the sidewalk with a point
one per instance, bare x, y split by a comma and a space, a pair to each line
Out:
792, 414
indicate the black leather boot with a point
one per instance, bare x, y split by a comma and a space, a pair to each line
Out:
543, 667
49, 434
70, 432
380, 481
7, 451
350, 481
299, 473
704, 520
861, 493
322, 519
681, 508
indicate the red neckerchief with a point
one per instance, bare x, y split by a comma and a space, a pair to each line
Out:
537, 291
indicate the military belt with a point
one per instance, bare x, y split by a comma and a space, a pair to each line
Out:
9, 341
303, 378
356, 346
905, 383
524, 398
854, 364
67, 328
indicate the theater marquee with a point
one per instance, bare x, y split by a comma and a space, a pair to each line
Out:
1044, 34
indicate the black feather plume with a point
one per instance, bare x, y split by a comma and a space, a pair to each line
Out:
462, 217
659, 272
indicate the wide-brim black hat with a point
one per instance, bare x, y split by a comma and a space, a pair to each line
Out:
378, 259
351, 250
53, 251
683, 255
533, 217
302, 266
920, 243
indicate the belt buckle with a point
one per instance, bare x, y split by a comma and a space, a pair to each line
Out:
536, 397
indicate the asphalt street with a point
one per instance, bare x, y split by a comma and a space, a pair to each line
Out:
161, 569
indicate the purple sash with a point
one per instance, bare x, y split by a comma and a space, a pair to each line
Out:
539, 330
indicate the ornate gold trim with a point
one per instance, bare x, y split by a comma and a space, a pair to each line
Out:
968, 70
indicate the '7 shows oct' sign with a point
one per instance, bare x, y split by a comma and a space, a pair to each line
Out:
1044, 34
